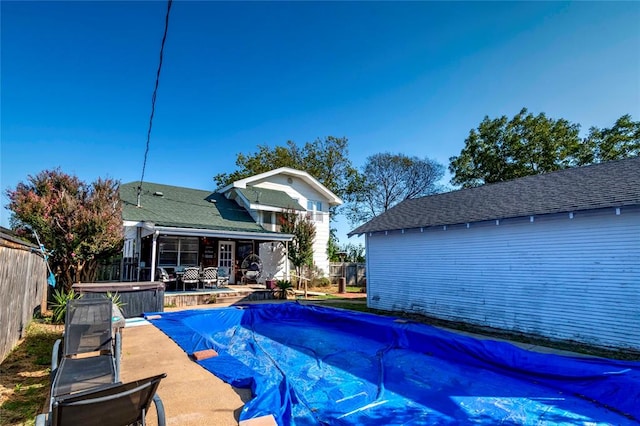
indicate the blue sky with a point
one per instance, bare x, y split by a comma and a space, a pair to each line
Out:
411, 78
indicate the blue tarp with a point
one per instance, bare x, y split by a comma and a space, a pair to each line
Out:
309, 365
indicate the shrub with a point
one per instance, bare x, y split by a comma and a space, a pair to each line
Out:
283, 288
59, 303
115, 299
320, 282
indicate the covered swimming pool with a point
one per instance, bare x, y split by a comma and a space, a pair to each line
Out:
310, 365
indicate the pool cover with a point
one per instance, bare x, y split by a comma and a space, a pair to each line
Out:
309, 365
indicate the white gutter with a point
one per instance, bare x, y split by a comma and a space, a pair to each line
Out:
193, 232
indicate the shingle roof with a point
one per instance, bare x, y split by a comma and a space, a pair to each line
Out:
184, 207
269, 197
611, 184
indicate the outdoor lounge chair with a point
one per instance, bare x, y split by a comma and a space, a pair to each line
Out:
209, 277
90, 352
116, 404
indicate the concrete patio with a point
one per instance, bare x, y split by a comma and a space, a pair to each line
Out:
191, 395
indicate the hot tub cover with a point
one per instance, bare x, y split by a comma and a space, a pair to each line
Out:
310, 365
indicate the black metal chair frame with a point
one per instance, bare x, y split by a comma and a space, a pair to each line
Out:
88, 355
117, 404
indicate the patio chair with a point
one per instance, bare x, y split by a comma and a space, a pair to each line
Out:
117, 404
209, 277
168, 280
89, 353
223, 276
191, 276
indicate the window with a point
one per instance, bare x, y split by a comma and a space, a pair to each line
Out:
188, 251
314, 210
178, 251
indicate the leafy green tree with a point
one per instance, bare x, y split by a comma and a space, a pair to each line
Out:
386, 180
355, 253
620, 141
501, 149
325, 159
81, 224
300, 249
332, 246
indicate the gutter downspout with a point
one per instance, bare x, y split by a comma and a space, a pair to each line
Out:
153, 255
137, 248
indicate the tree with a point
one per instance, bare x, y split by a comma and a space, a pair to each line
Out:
332, 246
615, 143
387, 179
81, 224
300, 249
501, 149
355, 253
325, 159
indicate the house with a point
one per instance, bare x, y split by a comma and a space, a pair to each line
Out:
555, 255
174, 227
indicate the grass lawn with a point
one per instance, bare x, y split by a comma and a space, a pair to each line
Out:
333, 290
24, 375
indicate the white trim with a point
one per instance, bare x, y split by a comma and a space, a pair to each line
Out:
242, 183
271, 208
194, 232
570, 215
199, 232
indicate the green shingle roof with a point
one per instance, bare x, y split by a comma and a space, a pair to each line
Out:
269, 197
184, 207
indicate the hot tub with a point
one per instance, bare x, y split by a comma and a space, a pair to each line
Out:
136, 297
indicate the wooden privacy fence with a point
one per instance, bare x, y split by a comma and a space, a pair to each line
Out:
355, 273
23, 288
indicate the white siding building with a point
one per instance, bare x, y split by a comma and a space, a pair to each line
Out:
169, 228
261, 196
554, 255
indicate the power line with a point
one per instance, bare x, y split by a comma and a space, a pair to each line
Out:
153, 98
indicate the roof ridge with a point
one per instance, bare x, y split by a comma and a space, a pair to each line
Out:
167, 186
537, 176
612, 183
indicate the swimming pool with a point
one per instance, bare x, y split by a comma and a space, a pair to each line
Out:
311, 365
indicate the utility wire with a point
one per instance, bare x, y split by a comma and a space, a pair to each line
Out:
153, 98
